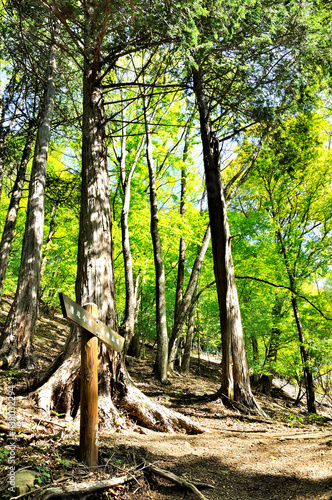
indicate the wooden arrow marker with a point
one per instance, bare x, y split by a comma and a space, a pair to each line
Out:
92, 330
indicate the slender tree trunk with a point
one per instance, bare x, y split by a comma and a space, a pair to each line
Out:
255, 355
181, 260
271, 356
235, 383
185, 363
3, 137
182, 246
128, 326
308, 378
184, 306
9, 228
161, 324
16, 341
51, 233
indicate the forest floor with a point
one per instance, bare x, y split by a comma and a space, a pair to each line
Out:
286, 456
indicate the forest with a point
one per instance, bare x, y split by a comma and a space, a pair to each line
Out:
169, 162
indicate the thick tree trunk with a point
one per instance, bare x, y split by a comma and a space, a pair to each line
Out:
235, 383
95, 280
61, 393
16, 340
161, 323
9, 228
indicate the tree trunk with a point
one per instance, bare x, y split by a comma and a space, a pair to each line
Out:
161, 323
3, 136
182, 246
271, 356
308, 378
255, 355
128, 325
185, 364
16, 340
184, 306
95, 279
237, 384
51, 233
9, 228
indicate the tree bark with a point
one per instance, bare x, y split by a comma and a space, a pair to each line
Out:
185, 362
271, 356
235, 383
95, 278
308, 378
161, 323
183, 307
182, 245
255, 355
16, 341
128, 325
9, 228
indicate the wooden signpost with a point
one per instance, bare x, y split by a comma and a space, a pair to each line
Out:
92, 330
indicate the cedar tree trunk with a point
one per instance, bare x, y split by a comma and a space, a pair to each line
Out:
95, 280
235, 383
16, 340
9, 228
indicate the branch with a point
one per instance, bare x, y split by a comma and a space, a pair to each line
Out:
77, 490
242, 175
287, 288
180, 481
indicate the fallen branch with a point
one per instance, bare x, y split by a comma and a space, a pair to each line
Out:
303, 435
180, 481
78, 490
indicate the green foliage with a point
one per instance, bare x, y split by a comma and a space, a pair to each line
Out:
289, 194
4, 455
256, 63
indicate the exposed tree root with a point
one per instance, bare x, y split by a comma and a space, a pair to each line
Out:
81, 490
180, 481
116, 389
153, 415
245, 403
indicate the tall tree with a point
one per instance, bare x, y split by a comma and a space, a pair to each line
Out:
95, 282
161, 322
233, 83
16, 339
10, 223
289, 189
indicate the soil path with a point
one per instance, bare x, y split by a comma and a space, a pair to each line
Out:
288, 456
244, 458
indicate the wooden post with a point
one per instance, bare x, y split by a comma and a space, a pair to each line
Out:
89, 394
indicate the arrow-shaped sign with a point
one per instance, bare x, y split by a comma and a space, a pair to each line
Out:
80, 317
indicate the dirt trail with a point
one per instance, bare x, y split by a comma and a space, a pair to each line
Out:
288, 456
